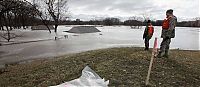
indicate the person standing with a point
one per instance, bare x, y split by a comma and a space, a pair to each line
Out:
168, 32
148, 33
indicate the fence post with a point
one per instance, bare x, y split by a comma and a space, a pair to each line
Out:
151, 62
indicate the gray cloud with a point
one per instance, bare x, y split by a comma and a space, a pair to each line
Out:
155, 9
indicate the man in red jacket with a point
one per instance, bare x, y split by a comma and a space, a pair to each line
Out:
168, 32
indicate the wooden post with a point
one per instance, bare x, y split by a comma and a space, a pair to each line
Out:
151, 62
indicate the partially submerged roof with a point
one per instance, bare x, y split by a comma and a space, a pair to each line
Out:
42, 27
83, 29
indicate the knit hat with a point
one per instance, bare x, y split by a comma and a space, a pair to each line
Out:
148, 21
170, 11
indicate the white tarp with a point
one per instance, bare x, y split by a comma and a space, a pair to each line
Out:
89, 78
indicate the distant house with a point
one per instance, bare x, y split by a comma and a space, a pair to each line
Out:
83, 29
42, 27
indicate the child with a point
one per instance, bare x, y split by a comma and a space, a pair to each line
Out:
148, 33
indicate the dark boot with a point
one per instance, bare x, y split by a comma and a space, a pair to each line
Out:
146, 49
159, 55
146, 44
166, 54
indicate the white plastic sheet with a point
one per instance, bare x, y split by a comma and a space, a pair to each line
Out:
89, 78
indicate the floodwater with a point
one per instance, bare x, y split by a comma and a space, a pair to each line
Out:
110, 36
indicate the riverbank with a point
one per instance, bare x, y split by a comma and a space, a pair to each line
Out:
41, 44
122, 66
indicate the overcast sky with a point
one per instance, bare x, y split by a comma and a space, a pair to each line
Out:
155, 9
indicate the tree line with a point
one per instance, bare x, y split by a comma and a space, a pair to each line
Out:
116, 21
15, 14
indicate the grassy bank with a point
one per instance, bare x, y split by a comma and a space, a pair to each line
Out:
122, 66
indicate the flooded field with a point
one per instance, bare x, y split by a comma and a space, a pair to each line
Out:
110, 36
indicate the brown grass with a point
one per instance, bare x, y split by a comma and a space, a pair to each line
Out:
122, 66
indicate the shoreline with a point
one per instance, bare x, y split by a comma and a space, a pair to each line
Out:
71, 54
130, 62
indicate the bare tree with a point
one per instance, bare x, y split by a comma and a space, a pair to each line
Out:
7, 6
13, 13
41, 14
55, 9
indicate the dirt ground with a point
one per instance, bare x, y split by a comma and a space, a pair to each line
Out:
124, 67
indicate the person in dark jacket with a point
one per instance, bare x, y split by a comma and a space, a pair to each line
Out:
148, 33
168, 32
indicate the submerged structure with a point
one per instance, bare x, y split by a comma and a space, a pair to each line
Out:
83, 29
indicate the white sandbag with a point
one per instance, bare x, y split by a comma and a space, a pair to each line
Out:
88, 79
